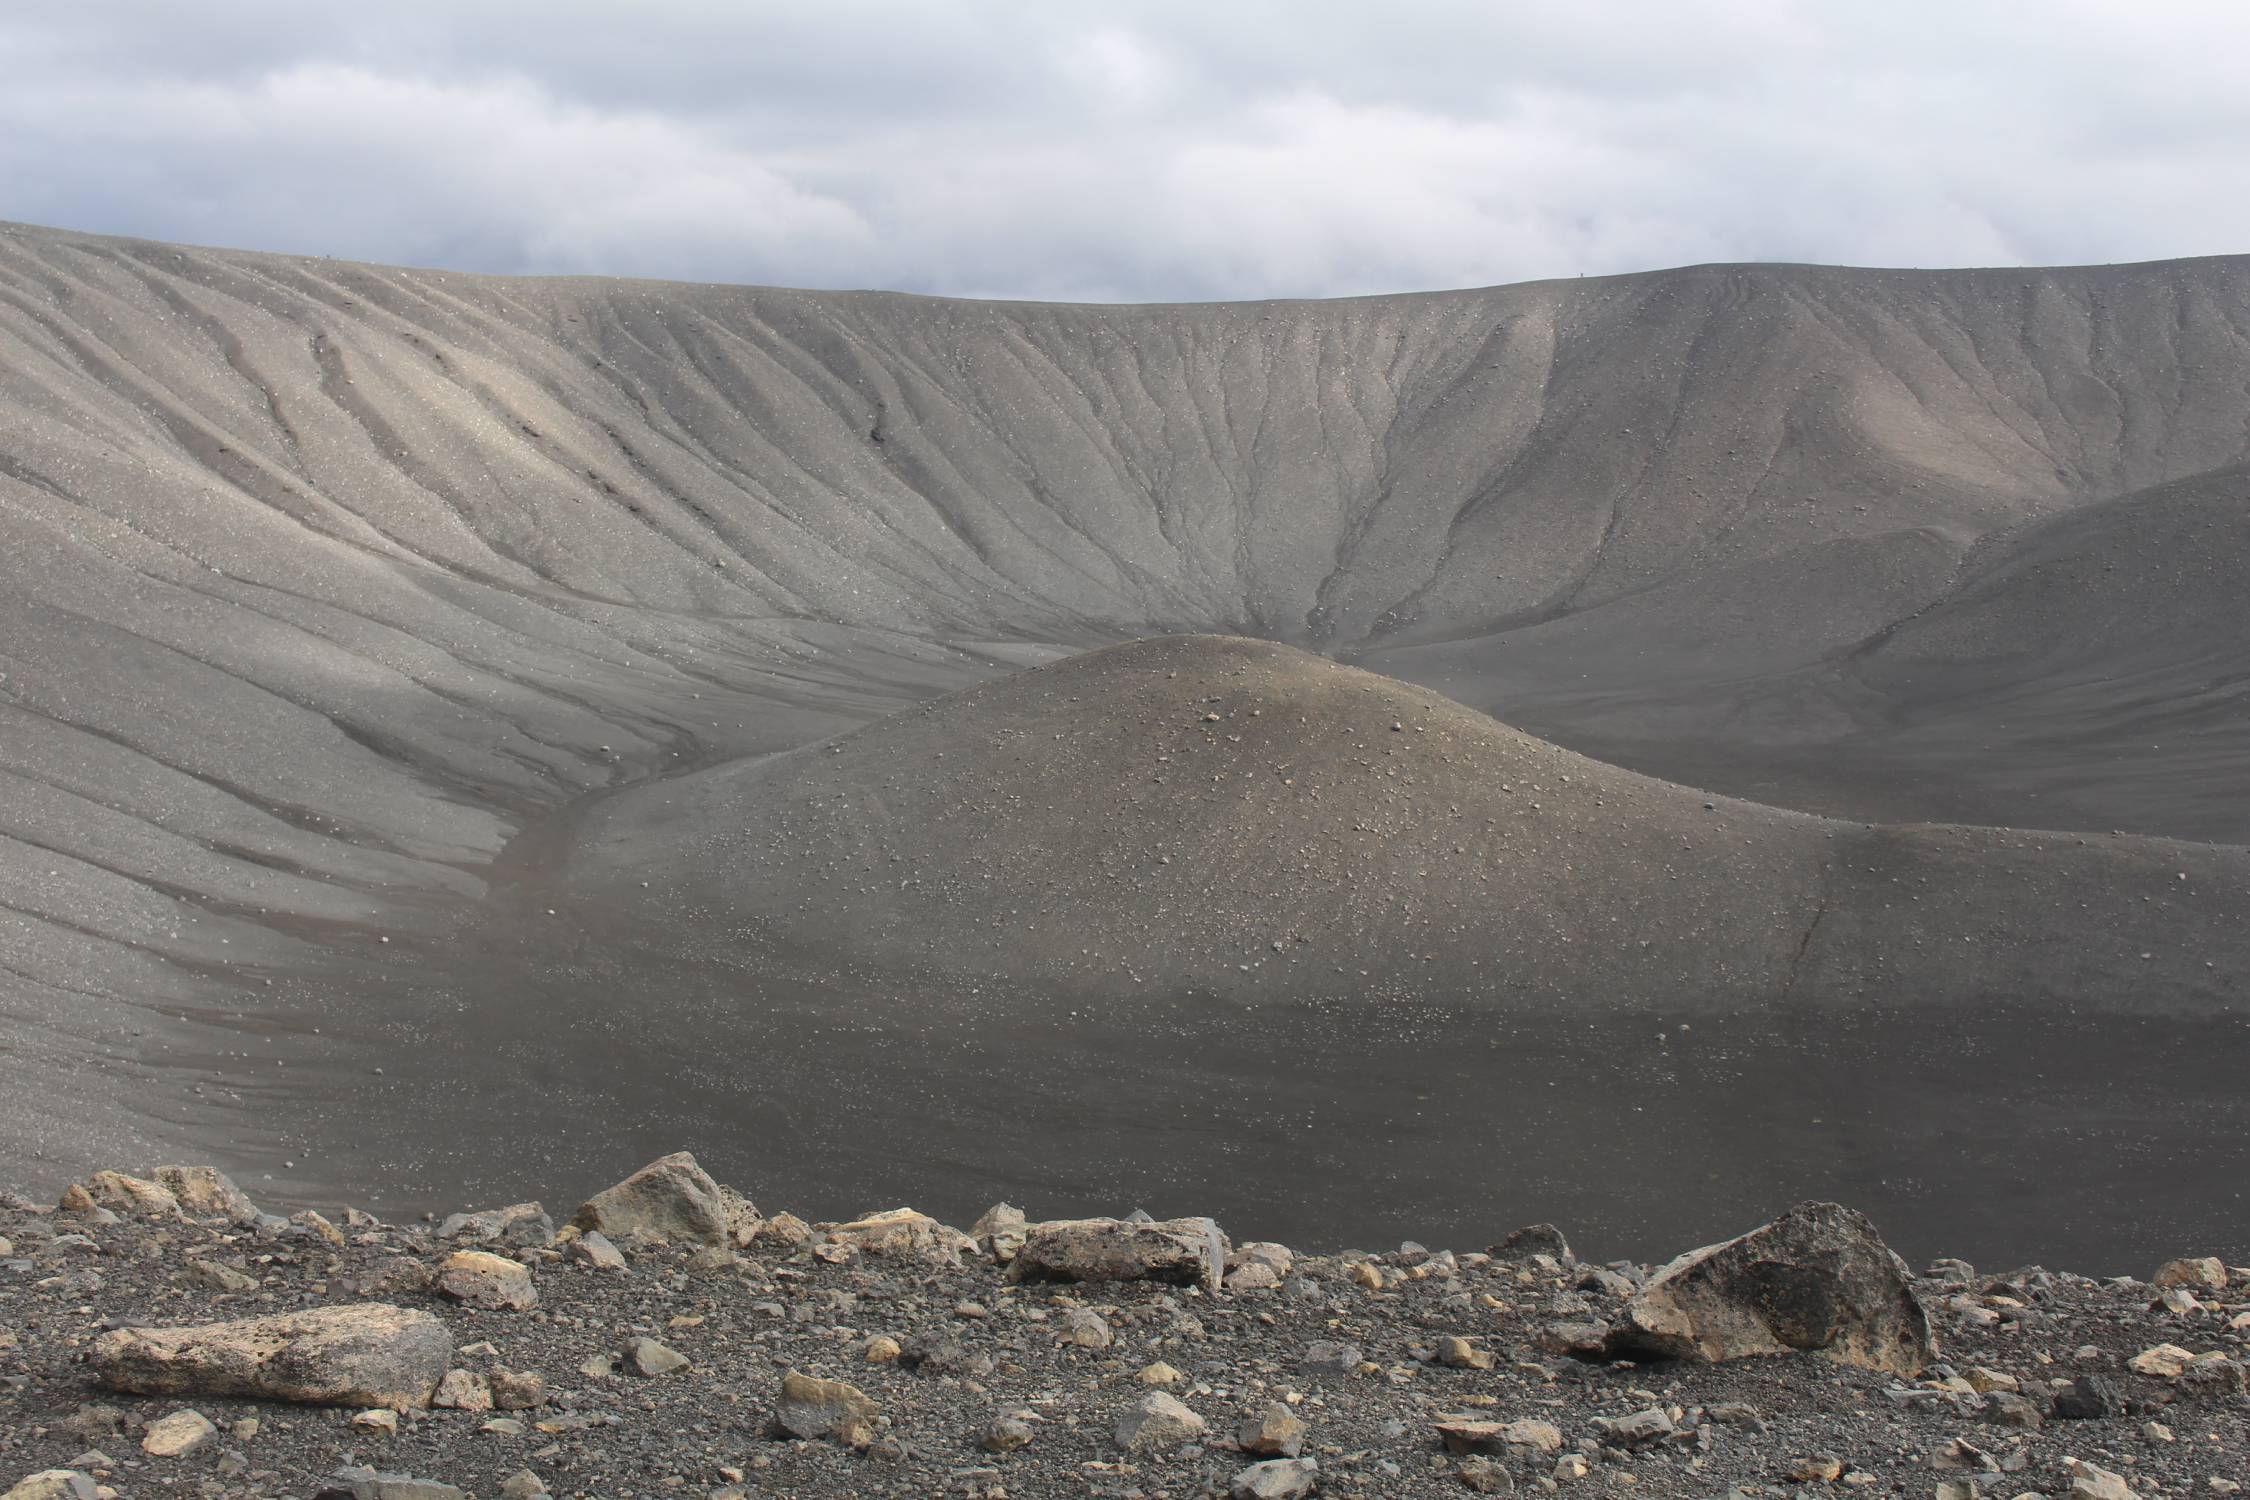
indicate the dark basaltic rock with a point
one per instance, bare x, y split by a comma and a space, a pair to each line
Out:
371, 1354
1817, 1280
1533, 1239
2088, 1398
1186, 1252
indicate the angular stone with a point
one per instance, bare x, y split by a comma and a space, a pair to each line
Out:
176, 1435
1006, 1435
517, 1390
1461, 1435
1480, 1475
1084, 1328
1636, 1429
1818, 1280
132, 1196
1533, 1239
212, 1276
650, 1358
672, 1198
520, 1225
593, 1248
463, 1390
208, 1193
999, 1231
1279, 1259
53, 1484
815, 1409
2093, 1482
367, 1484
479, 1278
370, 1354
1327, 1357
1275, 1432
2202, 1273
522, 1485
784, 1231
2088, 1398
1254, 1277
1157, 1423
1277, 1479
1457, 1353
900, 1234
1186, 1252
2162, 1362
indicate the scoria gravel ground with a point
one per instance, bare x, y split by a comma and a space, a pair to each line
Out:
996, 1348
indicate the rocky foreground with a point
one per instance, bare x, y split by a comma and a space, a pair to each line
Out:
163, 1335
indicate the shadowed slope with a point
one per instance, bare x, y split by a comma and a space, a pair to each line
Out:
1225, 814
1245, 819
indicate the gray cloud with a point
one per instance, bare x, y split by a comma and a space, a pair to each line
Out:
1155, 151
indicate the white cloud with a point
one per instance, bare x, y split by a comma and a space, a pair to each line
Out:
1188, 151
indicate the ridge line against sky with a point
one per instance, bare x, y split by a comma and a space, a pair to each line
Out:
1154, 152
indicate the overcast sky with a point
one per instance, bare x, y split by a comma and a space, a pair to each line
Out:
1223, 148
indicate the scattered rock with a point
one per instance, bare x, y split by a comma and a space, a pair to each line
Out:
1188, 1252
1327, 1357
369, 1354
650, 1358
815, 1409
520, 1225
2163, 1362
53, 1484
1461, 1435
593, 1248
672, 1198
463, 1390
1162, 1374
2088, 1398
177, 1435
367, 1484
900, 1233
1275, 1432
1457, 1353
1533, 1239
479, 1278
211, 1276
2203, 1273
999, 1231
2093, 1482
133, 1196
1006, 1435
1086, 1329
380, 1419
1277, 1479
1157, 1423
1818, 1279
881, 1350
516, 1390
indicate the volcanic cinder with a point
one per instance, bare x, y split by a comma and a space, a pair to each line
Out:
604, 708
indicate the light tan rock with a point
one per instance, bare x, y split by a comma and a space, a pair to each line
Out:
1157, 1423
133, 1196
177, 1435
463, 1390
208, 1193
481, 1279
2203, 1273
53, 1484
368, 1354
1188, 1252
672, 1198
900, 1234
814, 1409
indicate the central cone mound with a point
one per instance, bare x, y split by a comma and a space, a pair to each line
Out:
1217, 813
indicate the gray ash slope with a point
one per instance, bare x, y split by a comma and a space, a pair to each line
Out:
320, 582
1248, 820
